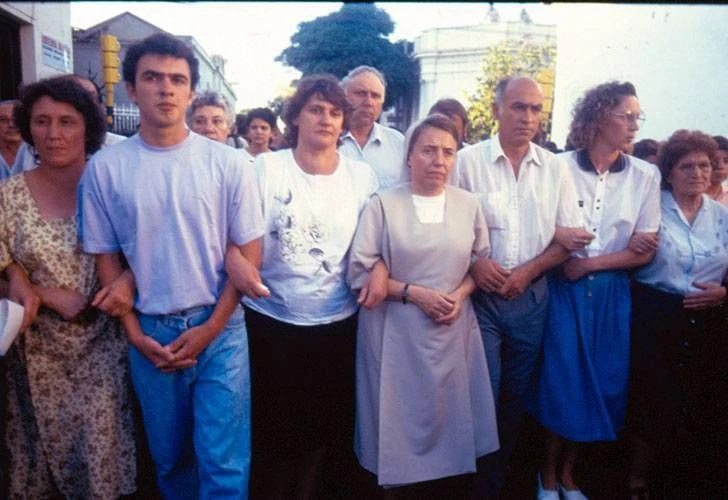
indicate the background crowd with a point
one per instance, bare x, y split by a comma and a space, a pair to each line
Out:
217, 310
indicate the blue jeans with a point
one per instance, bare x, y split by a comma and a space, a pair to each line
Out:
197, 420
513, 336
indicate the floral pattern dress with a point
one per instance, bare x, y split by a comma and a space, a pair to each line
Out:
69, 427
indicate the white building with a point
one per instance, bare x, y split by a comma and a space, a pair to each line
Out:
675, 55
451, 59
35, 43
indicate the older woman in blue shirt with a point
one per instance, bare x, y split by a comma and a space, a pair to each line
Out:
678, 328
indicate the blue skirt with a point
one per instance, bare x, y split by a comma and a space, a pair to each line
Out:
581, 389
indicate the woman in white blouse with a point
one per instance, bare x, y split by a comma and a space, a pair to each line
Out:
581, 392
678, 380
302, 326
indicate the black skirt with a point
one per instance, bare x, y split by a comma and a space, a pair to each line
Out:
679, 377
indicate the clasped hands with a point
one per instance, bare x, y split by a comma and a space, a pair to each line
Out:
491, 277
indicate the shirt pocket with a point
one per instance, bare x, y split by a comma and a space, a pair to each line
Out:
495, 207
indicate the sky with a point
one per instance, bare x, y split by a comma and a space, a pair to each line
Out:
249, 35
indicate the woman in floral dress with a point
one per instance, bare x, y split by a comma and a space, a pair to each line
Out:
69, 428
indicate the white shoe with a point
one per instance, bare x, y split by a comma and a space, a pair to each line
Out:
543, 494
572, 494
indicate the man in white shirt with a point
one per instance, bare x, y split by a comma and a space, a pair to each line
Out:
525, 194
381, 147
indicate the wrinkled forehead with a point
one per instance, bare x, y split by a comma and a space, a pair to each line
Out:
209, 110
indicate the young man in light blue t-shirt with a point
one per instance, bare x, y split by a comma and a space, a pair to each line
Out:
171, 202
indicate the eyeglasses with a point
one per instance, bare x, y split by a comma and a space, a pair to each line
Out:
629, 117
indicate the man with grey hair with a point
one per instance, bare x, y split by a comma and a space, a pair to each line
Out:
381, 147
525, 194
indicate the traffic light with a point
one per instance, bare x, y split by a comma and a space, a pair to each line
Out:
110, 59
110, 72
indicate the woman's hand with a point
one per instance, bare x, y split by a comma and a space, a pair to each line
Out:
436, 305
643, 243
67, 303
116, 298
457, 297
374, 291
573, 238
574, 269
711, 296
244, 275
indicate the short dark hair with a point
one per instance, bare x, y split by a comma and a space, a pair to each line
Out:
450, 107
435, 120
264, 114
69, 91
160, 44
722, 142
326, 87
590, 110
644, 148
678, 145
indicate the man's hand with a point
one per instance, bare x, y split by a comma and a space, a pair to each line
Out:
573, 238
374, 291
488, 274
516, 283
643, 243
160, 357
117, 298
188, 346
574, 269
21, 291
711, 296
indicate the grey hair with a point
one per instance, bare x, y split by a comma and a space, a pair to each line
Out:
209, 98
363, 69
500, 89
14, 102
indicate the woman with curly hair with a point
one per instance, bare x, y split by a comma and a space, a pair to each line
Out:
678, 375
581, 390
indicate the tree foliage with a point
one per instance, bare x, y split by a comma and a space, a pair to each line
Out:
354, 35
519, 57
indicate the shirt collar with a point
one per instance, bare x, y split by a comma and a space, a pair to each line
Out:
668, 202
585, 163
375, 135
496, 151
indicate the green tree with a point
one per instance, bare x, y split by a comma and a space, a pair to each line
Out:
354, 35
510, 58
